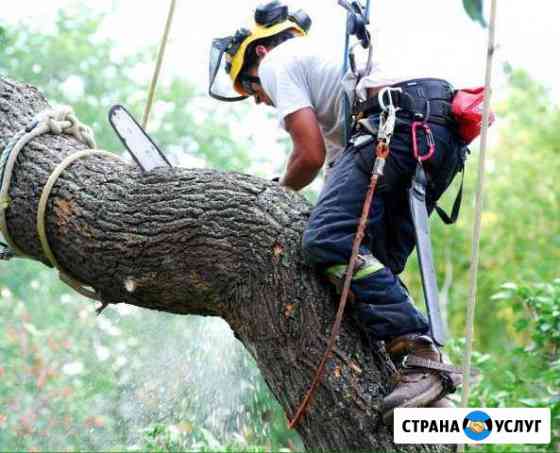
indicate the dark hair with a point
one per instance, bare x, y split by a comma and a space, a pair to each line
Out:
251, 57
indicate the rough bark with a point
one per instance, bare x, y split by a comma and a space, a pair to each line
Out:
202, 242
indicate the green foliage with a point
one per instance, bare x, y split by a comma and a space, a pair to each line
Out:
53, 395
72, 64
182, 437
520, 236
94, 383
127, 379
474, 10
528, 373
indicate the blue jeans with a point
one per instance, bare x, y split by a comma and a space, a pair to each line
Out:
383, 305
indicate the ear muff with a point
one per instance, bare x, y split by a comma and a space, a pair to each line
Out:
271, 13
301, 18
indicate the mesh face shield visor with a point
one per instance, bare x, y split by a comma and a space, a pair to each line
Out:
220, 86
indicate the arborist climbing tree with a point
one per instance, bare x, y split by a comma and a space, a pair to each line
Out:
92, 212
402, 136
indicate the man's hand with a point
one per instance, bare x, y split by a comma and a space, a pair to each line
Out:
308, 154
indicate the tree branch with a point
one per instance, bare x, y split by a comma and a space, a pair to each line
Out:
201, 242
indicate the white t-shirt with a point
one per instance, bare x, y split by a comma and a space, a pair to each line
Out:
296, 75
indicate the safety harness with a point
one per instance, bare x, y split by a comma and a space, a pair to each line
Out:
420, 102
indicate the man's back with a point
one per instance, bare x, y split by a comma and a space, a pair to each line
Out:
296, 75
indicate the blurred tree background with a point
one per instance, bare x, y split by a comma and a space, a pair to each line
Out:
134, 379
71, 380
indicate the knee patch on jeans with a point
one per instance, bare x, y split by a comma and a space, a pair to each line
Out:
366, 266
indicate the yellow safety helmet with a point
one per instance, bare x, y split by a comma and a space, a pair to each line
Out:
258, 32
270, 19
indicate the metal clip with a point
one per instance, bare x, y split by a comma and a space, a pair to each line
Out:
386, 125
379, 166
388, 117
404, 362
387, 91
429, 141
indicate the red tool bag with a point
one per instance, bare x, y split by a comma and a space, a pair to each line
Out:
467, 107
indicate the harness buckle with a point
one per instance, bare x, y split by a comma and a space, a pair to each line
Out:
388, 117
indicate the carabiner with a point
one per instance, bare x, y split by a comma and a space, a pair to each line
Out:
387, 91
387, 121
429, 141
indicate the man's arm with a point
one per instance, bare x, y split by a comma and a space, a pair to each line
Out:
308, 154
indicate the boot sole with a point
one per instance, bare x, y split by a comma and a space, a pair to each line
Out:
421, 400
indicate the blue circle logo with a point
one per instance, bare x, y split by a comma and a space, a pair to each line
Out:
477, 425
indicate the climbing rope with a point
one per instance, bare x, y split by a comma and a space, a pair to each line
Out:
473, 273
385, 132
41, 213
55, 121
163, 43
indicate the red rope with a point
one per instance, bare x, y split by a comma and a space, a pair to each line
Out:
382, 151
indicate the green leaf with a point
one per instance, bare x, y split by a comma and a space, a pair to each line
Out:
521, 324
502, 295
474, 9
31, 329
509, 285
530, 402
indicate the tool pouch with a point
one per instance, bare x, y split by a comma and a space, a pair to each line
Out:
466, 108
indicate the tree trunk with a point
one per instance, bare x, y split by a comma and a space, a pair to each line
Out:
202, 242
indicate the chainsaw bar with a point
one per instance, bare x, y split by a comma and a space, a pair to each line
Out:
139, 144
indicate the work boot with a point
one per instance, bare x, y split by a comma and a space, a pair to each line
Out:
424, 376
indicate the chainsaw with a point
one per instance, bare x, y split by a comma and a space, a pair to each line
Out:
139, 144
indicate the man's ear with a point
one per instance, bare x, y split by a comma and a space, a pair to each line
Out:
261, 51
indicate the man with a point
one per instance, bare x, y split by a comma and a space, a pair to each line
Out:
277, 65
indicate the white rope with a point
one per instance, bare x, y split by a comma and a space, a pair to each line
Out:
42, 227
61, 120
478, 212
